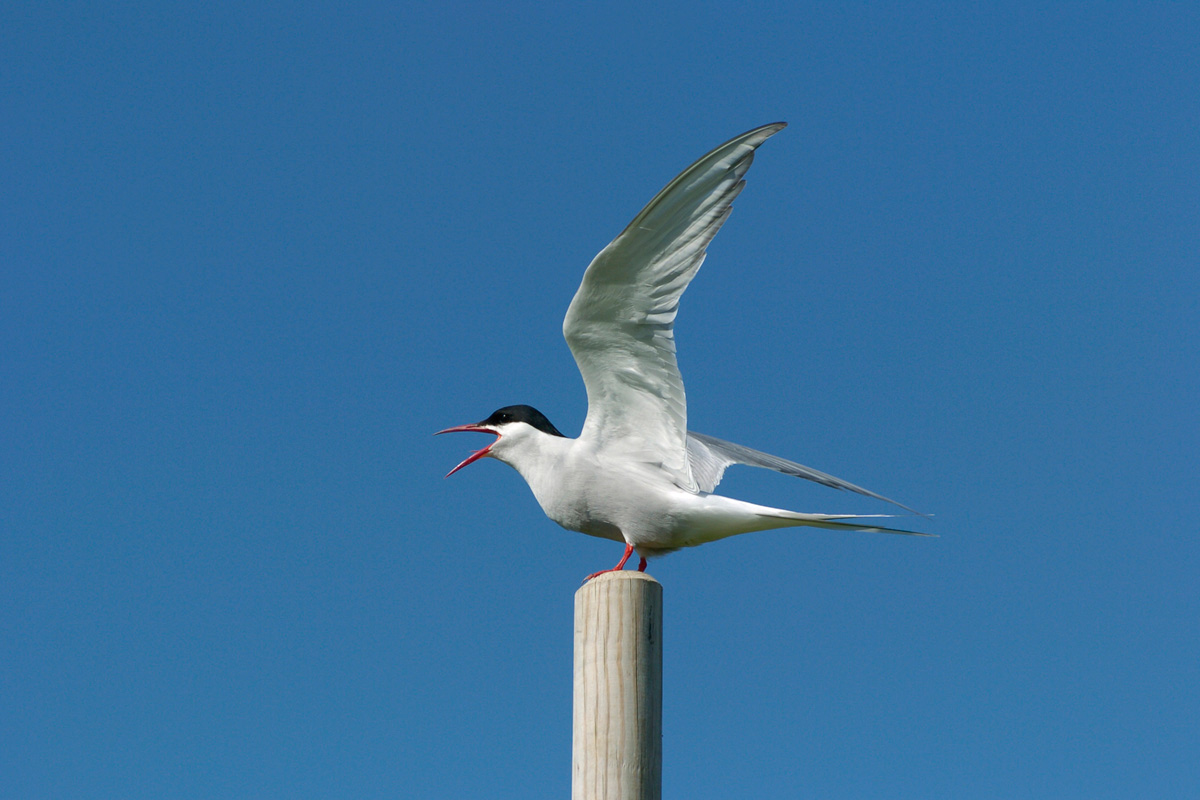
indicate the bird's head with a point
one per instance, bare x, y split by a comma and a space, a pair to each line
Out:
512, 426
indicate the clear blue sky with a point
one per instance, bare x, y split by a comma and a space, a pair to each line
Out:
253, 257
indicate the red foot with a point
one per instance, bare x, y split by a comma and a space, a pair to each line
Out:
620, 564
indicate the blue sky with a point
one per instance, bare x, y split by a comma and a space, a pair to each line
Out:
254, 257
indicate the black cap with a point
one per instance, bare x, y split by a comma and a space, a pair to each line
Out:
527, 414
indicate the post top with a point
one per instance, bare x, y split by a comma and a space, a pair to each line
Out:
622, 575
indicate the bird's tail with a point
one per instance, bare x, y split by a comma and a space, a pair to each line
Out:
833, 522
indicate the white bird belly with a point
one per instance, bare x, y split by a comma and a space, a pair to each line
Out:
639, 506
583, 493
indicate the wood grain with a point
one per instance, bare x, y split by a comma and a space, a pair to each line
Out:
617, 731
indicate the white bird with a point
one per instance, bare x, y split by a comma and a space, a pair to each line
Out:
636, 474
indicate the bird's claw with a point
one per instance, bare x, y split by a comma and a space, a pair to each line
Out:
620, 564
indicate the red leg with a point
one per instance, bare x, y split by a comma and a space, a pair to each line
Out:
620, 564
642, 565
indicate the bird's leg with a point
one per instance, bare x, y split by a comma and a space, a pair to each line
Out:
642, 565
620, 564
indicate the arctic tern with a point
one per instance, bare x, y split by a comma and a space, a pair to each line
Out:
636, 474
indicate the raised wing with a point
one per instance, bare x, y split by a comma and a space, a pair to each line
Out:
620, 325
710, 456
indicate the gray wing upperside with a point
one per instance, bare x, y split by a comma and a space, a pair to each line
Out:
620, 324
709, 456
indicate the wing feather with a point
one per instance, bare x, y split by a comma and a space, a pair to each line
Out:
620, 324
710, 456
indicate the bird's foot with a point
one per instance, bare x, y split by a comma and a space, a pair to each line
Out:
620, 564
601, 572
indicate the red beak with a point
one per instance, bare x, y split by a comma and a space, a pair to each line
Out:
478, 454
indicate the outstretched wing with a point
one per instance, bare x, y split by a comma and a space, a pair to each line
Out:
710, 456
620, 325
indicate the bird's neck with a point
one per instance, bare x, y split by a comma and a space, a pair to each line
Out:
541, 460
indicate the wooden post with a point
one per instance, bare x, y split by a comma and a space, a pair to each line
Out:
616, 744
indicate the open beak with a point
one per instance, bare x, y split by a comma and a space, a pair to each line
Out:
478, 454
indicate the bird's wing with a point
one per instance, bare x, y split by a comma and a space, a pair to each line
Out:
710, 456
620, 323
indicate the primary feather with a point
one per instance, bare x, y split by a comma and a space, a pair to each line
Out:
709, 456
